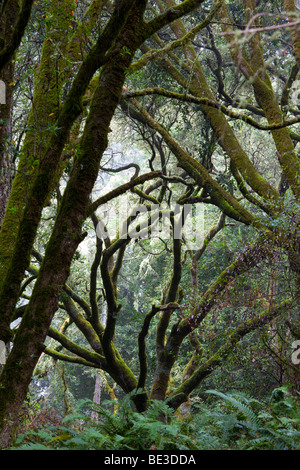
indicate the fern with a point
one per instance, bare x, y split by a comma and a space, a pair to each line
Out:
245, 409
263, 430
127, 430
244, 424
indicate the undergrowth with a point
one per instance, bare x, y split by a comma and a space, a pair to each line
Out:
229, 421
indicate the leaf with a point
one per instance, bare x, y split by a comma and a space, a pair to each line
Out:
34, 447
246, 410
62, 437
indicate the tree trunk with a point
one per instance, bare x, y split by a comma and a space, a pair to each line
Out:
66, 235
97, 394
6, 162
99, 374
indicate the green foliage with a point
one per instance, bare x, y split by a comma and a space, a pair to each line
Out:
257, 426
147, 265
157, 428
238, 422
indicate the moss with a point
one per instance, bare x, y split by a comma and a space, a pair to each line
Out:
181, 393
41, 124
31, 202
198, 86
255, 70
74, 205
229, 205
289, 6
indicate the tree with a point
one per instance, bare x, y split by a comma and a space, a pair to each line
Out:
112, 52
14, 18
257, 190
79, 83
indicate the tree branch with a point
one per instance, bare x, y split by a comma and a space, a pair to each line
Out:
207, 102
122, 189
68, 358
9, 49
181, 393
96, 359
170, 15
142, 339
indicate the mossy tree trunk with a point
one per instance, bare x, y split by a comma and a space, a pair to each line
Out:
113, 52
6, 161
29, 340
15, 16
8, 19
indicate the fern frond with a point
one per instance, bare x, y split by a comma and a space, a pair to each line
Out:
245, 409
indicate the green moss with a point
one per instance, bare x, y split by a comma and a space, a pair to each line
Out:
40, 128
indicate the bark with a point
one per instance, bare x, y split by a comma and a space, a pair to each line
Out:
180, 395
16, 261
180, 330
17, 19
29, 340
97, 394
6, 160
113, 53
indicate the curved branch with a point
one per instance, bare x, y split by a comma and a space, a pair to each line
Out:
170, 15
122, 189
97, 359
214, 104
93, 279
180, 395
249, 258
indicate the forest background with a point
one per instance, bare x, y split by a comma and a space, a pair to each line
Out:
122, 121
